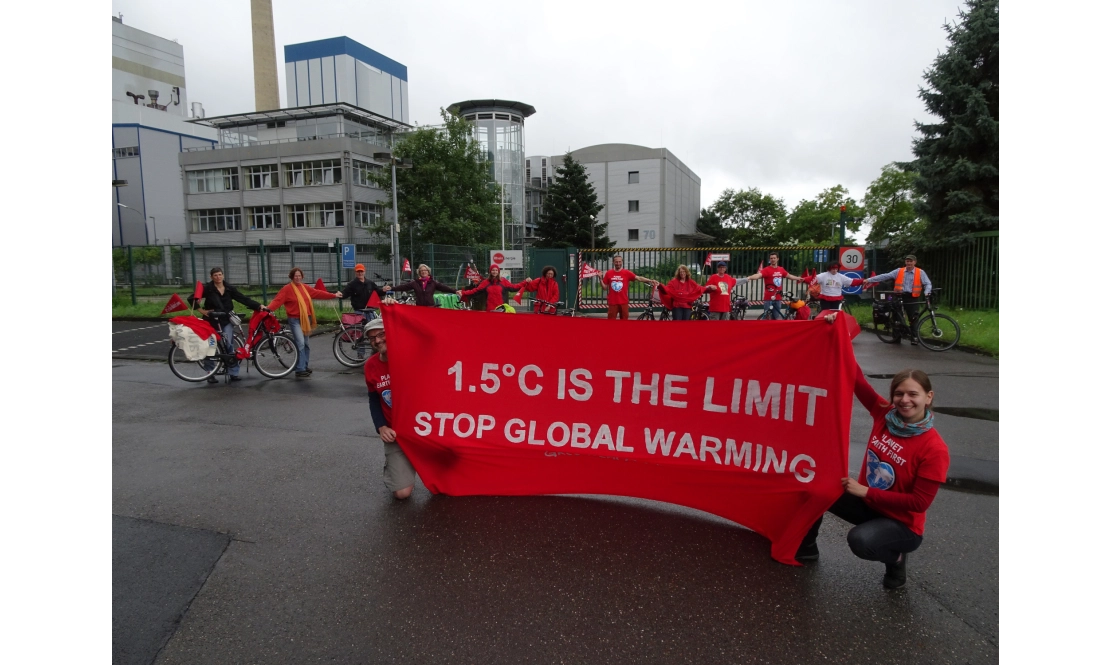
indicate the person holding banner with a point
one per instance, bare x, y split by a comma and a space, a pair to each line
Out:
616, 283
905, 464
219, 301
772, 285
359, 290
495, 286
720, 287
546, 288
297, 300
684, 291
398, 473
832, 284
424, 287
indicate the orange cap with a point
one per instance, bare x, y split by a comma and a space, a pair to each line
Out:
360, 267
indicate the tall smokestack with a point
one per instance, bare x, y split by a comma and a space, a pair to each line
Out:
265, 57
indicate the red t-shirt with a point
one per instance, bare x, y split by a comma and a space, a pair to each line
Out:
773, 277
377, 381
893, 464
720, 302
618, 282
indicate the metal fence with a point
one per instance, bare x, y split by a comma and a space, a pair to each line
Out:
967, 274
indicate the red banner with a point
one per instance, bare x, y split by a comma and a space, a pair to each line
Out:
407, 267
175, 304
743, 427
587, 271
473, 274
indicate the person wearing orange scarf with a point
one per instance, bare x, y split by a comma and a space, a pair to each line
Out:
296, 297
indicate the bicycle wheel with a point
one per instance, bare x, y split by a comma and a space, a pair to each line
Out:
349, 347
276, 356
190, 370
646, 316
887, 332
937, 332
701, 316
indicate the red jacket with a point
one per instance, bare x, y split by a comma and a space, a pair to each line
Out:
684, 293
495, 292
545, 288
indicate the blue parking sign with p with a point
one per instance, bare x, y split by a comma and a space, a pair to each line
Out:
348, 256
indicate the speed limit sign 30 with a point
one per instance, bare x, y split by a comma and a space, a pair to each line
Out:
851, 258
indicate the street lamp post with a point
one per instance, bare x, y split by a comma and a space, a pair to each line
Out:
155, 223
144, 223
395, 227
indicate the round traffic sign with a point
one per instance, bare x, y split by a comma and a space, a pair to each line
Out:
854, 290
851, 258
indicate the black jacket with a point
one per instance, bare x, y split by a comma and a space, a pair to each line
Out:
214, 301
424, 294
359, 292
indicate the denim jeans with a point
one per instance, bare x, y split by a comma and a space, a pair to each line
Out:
301, 340
682, 313
776, 305
875, 538
227, 333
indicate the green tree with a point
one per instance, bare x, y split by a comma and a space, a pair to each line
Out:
957, 157
569, 210
711, 224
750, 217
448, 196
818, 221
889, 206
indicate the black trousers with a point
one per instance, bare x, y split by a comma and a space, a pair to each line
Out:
830, 304
875, 537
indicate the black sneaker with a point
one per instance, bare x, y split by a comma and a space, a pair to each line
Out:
308, 370
213, 379
895, 577
302, 375
235, 378
913, 341
807, 552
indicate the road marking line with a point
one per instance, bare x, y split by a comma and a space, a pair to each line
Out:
135, 329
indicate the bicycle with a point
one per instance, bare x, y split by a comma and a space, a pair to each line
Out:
552, 308
649, 313
272, 351
739, 308
699, 311
773, 313
933, 330
350, 346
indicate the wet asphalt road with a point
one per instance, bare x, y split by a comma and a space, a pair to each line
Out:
320, 565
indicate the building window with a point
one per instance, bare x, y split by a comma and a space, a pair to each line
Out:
313, 215
307, 174
216, 219
633, 206
361, 172
130, 151
368, 214
633, 177
633, 235
214, 180
265, 217
264, 176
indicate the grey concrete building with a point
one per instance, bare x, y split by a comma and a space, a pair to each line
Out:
288, 175
150, 128
651, 198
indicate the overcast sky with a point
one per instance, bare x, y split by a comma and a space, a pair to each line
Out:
790, 97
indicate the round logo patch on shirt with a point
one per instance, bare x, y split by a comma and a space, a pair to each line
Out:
777, 281
387, 397
880, 475
617, 286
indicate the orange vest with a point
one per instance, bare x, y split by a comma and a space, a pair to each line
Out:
916, 282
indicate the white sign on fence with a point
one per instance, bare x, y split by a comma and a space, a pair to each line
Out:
719, 257
507, 258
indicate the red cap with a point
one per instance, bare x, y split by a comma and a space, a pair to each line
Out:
359, 266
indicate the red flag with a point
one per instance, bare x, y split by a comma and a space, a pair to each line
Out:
407, 267
472, 274
760, 266
319, 286
774, 470
587, 271
198, 292
176, 304
374, 302
707, 261
518, 296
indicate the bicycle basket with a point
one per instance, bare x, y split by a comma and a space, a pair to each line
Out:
351, 319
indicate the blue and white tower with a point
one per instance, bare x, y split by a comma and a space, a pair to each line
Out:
340, 69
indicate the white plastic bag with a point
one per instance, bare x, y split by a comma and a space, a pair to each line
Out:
194, 346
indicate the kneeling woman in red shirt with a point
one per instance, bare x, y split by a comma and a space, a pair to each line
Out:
495, 287
905, 464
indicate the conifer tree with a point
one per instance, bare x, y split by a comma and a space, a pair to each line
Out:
569, 210
957, 157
